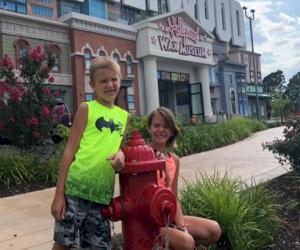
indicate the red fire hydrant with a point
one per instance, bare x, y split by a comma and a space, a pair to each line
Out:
142, 206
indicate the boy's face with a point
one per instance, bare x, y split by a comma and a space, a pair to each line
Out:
106, 85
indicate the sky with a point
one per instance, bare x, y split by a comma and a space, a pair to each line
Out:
276, 32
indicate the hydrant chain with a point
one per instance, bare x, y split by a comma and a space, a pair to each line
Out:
119, 247
166, 238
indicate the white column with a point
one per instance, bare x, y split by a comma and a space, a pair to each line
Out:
202, 75
151, 84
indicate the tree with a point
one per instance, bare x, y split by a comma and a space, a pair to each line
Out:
280, 104
293, 91
26, 103
273, 82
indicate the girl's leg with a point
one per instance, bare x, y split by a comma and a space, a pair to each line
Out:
57, 246
179, 240
205, 230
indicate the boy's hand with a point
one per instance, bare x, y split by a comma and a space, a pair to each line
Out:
117, 160
58, 207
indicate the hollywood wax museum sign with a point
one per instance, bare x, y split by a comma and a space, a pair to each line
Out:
175, 37
224, 18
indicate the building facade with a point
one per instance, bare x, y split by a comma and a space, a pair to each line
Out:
187, 55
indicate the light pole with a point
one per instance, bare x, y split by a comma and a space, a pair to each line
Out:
251, 18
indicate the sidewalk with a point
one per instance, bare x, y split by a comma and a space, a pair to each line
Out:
26, 223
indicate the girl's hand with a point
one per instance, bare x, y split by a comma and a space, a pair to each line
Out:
117, 160
58, 207
159, 155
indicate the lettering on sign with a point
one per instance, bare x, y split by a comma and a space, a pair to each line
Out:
175, 37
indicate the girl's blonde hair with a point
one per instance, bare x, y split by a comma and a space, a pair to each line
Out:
170, 121
104, 62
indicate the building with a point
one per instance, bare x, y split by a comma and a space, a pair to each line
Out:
187, 55
21, 33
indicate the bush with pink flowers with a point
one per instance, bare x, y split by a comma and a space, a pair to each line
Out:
287, 150
26, 103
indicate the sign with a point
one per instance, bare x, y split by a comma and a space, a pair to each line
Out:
175, 37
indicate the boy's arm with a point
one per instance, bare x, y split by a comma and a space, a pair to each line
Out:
118, 159
126, 131
80, 120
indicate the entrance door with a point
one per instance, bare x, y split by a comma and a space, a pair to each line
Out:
196, 100
163, 93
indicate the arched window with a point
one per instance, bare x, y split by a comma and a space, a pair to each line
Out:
87, 59
54, 52
233, 102
21, 49
116, 57
128, 65
102, 53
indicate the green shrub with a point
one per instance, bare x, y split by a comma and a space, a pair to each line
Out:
22, 167
287, 150
246, 214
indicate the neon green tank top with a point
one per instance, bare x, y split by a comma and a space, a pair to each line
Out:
90, 175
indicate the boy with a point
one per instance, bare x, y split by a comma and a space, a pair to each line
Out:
91, 157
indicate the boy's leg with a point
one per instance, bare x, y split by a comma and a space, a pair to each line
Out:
96, 230
57, 246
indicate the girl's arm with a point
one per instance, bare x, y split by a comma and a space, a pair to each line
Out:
80, 120
179, 219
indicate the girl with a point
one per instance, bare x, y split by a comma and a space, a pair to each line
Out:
163, 131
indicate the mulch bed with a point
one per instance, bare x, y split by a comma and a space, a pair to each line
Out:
287, 236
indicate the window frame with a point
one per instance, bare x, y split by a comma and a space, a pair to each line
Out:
85, 60
20, 44
54, 48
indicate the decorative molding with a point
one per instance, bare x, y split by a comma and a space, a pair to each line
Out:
100, 26
102, 49
33, 31
116, 51
128, 53
62, 79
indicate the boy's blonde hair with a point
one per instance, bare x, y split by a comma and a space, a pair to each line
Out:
104, 62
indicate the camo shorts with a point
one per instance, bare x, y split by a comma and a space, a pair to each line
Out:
83, 226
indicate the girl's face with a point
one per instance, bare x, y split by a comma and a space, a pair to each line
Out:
159, 131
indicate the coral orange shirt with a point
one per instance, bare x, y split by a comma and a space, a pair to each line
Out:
170, 169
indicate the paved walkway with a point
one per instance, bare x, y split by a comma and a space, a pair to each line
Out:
26, 223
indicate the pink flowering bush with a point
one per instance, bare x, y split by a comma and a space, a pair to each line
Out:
287, 150
26, 103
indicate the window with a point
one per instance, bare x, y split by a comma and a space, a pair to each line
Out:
41, 11
14, 5
102, 53
54, 53
21, 48
87, 60
128, 65
130, 101
116, 57
233, 102
162, 6
230, 79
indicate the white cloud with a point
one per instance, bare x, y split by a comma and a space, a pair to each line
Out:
281, 33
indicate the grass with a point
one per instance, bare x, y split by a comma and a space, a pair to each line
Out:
246, 214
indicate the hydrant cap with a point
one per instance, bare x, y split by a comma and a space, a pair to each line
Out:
136, 139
